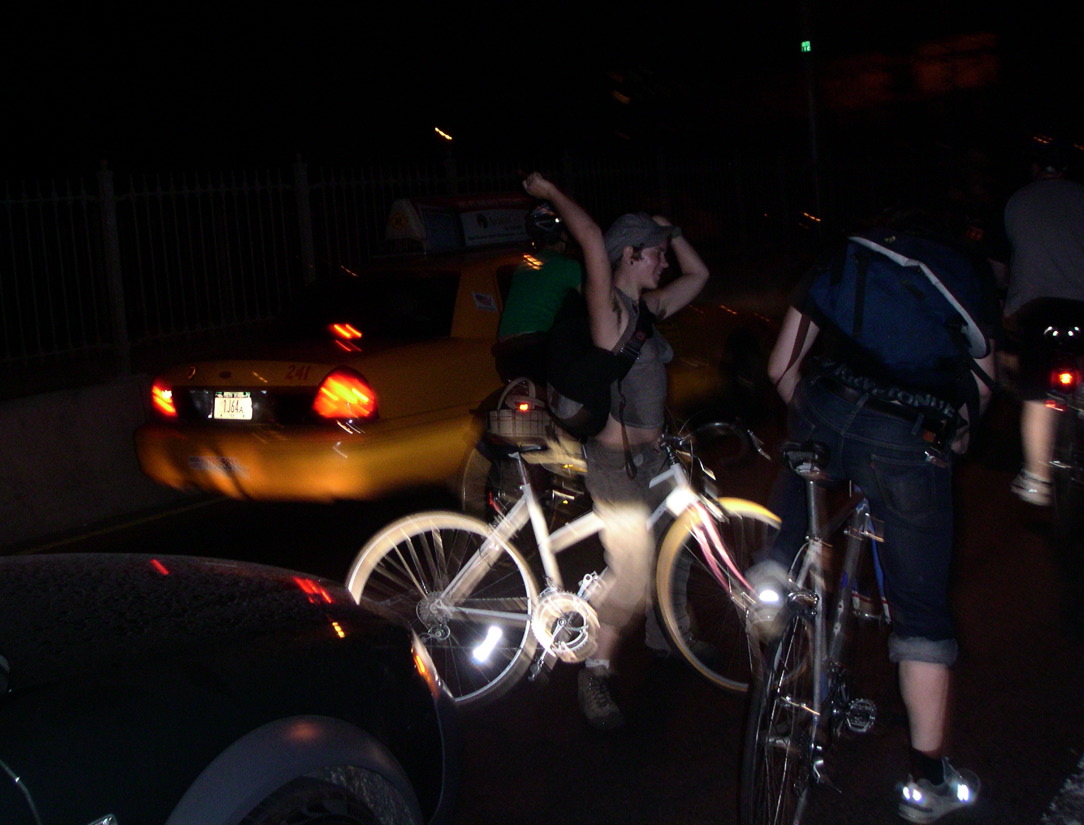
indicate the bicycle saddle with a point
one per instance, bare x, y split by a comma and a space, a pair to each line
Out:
494, 447
807, 459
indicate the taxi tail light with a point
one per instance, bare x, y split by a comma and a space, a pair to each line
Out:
162, 399
344, 394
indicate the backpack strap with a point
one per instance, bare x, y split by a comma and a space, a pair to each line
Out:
861, 260
643, 329
797, 347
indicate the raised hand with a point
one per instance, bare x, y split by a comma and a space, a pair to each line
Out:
538, 187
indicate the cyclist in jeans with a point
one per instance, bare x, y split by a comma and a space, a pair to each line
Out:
889, 450
623, 266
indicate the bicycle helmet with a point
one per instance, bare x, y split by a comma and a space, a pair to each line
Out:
544, 225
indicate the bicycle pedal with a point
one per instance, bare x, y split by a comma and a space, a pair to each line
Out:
541, 666
860, 715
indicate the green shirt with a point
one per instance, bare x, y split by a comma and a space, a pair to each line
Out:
538, 287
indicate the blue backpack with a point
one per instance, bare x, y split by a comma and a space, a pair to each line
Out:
908, 304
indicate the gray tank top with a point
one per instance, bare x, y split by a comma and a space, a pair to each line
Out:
639, 399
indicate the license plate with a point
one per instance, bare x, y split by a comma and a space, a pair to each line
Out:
235, 406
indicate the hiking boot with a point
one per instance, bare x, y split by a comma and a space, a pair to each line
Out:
1032, 489
596, 701
770, 583
922, 801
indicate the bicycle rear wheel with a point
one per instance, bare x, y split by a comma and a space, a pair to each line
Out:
1067, 473
781, 742
480, 642
705, 623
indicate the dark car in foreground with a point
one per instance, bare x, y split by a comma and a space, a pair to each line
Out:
141, 690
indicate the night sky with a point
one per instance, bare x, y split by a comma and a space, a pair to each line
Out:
195, 85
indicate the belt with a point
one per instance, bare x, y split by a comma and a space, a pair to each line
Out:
935, 433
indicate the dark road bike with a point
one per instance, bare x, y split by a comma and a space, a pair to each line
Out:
803, 696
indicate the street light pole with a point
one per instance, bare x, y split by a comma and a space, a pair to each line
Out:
809, 58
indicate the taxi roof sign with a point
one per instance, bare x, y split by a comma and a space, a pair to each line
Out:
458, 222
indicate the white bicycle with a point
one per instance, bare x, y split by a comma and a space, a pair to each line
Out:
474, 599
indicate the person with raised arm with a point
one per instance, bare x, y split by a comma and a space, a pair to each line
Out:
623, 278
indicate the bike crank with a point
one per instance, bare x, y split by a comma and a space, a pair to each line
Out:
565, 625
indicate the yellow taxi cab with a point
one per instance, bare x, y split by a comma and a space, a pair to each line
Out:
372, 381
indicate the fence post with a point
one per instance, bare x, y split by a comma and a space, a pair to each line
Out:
304, 221
111, 248
568, 172
451, 171
666, 194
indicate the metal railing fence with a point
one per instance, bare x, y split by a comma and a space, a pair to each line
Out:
95, 269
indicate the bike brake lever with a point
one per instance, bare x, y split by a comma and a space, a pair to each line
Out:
758, 445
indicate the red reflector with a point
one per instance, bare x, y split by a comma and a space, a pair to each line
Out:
344, 394
162, 399
1065, 380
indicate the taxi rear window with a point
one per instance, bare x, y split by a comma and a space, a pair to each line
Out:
395, 305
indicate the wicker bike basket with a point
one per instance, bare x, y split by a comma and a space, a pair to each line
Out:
521, 415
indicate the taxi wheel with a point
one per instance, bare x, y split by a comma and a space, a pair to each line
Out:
489, 487
473, 483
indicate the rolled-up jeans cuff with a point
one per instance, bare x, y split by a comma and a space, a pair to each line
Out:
917, 649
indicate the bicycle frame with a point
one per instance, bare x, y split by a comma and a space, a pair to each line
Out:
527, 509
804, 697
828, 639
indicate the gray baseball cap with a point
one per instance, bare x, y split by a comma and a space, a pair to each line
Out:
636, 230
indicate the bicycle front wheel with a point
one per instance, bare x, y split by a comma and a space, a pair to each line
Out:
702, 615
478, 631
781, 742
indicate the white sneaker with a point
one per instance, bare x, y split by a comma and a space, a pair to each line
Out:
924, 802
1032, 489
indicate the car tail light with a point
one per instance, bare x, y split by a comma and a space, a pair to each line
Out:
344, 331
344, 336
162, 399
344, 394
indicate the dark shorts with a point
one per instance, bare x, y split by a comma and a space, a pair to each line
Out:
1038, 353
910, 495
